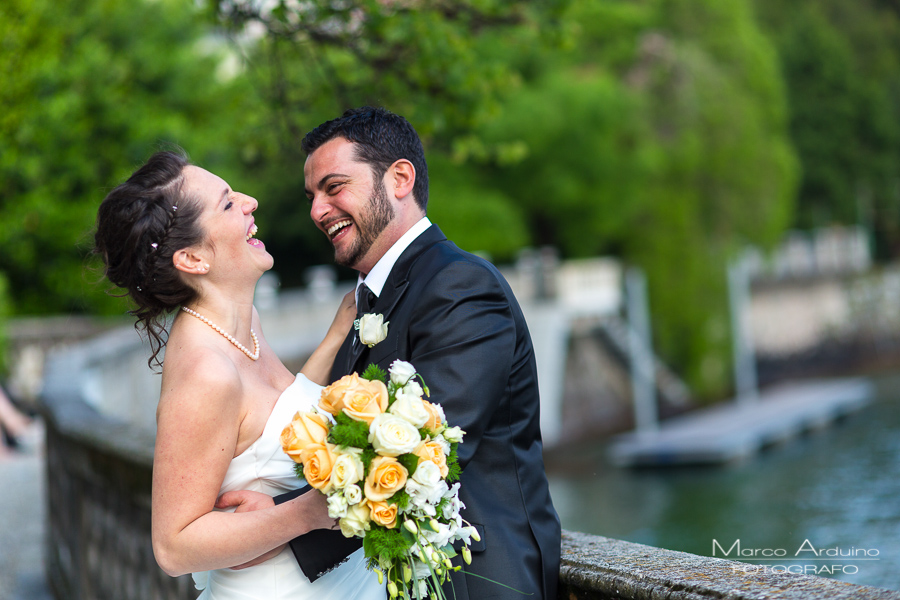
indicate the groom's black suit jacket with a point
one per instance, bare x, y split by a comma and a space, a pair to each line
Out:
454, 317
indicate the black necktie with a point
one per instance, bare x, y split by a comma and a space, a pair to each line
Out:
365, 300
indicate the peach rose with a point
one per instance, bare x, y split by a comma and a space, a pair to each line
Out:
435, 420
359, 398
318, 461
386, 476
384, 514
305, 429
432, 451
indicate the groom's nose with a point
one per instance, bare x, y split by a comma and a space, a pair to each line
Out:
319, 209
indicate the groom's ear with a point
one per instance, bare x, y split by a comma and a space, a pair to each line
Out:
401, 177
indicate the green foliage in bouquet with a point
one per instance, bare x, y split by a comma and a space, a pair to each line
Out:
390, 544
375, 373
401, 499
410, 461
454, 471
348, 432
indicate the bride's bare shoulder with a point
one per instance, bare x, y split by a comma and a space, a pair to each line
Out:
198, 376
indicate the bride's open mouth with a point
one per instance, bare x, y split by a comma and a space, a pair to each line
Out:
251, 239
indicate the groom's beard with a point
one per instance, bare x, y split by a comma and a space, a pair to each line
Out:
378, 214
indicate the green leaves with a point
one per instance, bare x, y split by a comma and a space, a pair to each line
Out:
375, 373
454, 471
410, 462
349, 432
391, 544
90, 90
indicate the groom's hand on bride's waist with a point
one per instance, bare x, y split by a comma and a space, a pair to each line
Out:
247, 501
315, 508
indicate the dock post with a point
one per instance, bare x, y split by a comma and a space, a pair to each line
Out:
640, 346
745, 382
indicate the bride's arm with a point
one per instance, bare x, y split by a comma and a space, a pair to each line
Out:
198, 424
318, 367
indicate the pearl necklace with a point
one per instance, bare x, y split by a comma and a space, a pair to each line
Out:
251, 355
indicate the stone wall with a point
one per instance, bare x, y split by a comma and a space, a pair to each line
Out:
98, 494
598, 568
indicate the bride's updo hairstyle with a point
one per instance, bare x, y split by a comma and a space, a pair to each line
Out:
140, 226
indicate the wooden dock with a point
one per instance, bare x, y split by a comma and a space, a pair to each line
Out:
731, 431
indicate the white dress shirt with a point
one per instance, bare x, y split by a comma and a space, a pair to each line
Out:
378, 275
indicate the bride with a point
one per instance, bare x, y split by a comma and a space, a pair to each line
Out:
177, 238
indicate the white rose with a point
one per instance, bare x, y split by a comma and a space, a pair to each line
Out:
392, 436
445, 445
337, 506
353, 494
401, 372
372, 329
427, 473
356, 522
411, 389
453, 434
410, 408
347, 469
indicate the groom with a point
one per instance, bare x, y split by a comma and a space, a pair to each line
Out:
454, 317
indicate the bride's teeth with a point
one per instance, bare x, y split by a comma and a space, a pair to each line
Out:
252, 232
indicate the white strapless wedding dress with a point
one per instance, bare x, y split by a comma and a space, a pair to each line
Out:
264, 467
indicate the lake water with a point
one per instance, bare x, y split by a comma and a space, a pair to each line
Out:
836, 490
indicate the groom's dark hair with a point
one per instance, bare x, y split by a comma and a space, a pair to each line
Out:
380, 139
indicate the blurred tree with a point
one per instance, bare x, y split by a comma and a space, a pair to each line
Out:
842, 67
435, 63
655, 131
89, 90
659, 136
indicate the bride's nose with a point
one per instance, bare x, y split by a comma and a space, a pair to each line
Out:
250, 204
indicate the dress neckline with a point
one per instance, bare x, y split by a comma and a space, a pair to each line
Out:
265, 428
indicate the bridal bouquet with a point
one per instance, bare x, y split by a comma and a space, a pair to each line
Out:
386, 459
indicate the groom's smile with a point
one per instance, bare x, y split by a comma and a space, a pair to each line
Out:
338, 228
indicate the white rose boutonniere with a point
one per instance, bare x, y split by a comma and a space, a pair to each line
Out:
372, 329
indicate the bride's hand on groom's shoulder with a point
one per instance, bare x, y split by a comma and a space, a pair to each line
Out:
343, 319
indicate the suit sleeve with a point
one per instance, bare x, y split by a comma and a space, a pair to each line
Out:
320, 550
462, 340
